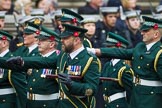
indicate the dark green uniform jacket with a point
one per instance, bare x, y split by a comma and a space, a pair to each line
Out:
19, 78
7, 92
42, 86
111, 88
86, 66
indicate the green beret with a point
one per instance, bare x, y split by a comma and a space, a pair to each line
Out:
68, 15
31, 28
150, 23
5, 35
48, 34
115, 40
71, 30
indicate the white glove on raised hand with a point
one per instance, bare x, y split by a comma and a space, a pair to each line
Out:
91, 50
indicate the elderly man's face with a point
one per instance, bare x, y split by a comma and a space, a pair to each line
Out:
5, 4
29, 39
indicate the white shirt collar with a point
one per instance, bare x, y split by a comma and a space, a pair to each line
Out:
31, 48
115, 61
49, 53
75, 53
150, 45
4, 53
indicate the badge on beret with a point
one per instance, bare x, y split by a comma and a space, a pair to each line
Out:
37, 21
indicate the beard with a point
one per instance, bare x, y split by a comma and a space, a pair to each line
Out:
68, 48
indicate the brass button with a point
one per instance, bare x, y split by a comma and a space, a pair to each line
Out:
33, 80
117, 106
4, 100
31, 89
139, 67
132, 58
141, 57
105, 88
44, 105
37, 70
152, 92
148, 64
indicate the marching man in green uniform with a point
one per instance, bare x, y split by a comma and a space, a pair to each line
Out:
73, 61
44, 92
114, 93
146, 64
30, 49
77, 93
7, 91
19, 78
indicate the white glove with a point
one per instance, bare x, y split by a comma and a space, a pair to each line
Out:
91, 50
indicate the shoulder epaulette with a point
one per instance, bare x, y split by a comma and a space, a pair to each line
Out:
156, 58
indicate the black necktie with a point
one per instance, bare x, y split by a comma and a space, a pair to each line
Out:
68, 58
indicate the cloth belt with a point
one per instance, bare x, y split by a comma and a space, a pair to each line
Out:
144, 82
32, 96
114, 97
7, 91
